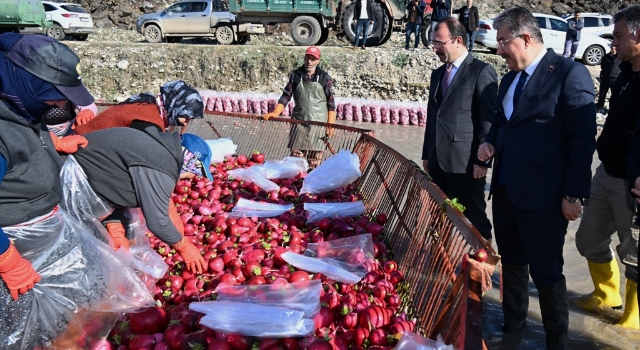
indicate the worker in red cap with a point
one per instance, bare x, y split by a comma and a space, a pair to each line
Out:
312, 93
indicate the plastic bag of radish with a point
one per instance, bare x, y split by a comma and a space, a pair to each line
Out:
338, 170
348, 253
249, 208
318, 211
413, 341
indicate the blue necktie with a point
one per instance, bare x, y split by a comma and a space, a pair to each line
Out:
519, 88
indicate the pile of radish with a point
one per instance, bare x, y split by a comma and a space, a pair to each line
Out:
366, 315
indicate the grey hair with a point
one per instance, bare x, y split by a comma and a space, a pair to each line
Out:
631, 15
518, 21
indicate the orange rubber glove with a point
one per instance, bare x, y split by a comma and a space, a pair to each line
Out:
331, 119
17, 272
69, 144
191, 255
175, 217
83, 117
117, 233
276, 112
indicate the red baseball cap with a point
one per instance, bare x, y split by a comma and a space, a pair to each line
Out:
313, 51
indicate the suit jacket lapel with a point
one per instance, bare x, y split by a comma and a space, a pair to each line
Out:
502, 91
437, 76
546, 66
464, 68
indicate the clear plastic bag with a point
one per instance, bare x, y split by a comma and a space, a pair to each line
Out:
149, 265
301, 296
253, 319
338, 170
413, 341
248, 208
255, 174
221, 148
135, 224
348, 253
314, 265
285, 168
81, 202
78, 273
318, 211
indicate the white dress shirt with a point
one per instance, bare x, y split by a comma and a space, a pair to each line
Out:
507, 101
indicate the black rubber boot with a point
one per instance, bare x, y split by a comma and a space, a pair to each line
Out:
554, 307
515, 296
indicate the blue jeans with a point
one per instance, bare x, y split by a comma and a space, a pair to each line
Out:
415, 29
471, 37
362, 24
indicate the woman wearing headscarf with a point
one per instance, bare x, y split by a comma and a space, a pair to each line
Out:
176, 104
41, 246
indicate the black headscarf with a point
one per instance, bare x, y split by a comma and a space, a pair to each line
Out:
177, 98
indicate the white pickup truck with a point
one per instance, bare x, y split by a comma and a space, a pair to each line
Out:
191, 18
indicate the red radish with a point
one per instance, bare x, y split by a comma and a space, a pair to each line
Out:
216, 265
389, 266
375, 228
289, 343
320, 344
239, 342
298, 221
219, 344
381, 218
299, 276
324, 317
350, 320
378, 337
194, 341
242, 159
151, 320
257, 157
142, 341
268, 343
173, 331
396, 277
324, 224
401, 327
161, 346
481, 255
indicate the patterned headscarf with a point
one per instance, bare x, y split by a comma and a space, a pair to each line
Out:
181, 101
190, 164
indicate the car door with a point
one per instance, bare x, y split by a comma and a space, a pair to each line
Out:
592, 26
547, 34
198, 17
175, 19
557, 34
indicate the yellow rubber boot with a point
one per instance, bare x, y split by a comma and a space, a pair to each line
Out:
630, 318
606, 280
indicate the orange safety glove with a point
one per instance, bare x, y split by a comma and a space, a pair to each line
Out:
83, 117
117, 232
69, 144
331, 119
17, 272
175, 217
191, 255
276, 112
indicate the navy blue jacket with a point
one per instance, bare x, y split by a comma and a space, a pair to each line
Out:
547, 145
441, 9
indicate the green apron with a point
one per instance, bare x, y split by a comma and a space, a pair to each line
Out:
310, 105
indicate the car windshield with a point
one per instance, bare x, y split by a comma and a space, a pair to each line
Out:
606, 21
220, 6
74, 8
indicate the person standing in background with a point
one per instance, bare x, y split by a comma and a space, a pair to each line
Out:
543, 139
415, 11
572, 40
441, 10
460, 111
609, 71
468, 16
363, 16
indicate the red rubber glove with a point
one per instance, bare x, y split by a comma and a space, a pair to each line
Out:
175, 217
69, 144
117, 233
83, 117
191, 255
17, 272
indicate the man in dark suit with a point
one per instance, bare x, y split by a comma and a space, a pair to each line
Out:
542, 139
469, 17
462, 101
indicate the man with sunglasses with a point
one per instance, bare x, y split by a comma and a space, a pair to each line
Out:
462, 100
542, 141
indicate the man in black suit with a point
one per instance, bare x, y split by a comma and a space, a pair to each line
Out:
542, 139
462, 101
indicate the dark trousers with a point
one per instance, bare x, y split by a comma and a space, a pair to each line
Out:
529, 238
605, 85
470, 193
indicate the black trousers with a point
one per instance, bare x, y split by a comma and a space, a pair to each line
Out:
530, 238
605, 85
470, 193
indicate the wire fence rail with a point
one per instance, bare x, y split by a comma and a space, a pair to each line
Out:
427, 238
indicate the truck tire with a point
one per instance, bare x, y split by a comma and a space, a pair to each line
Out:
225, 35
377, 32
324, 35
425, 30
386, 37
174, 39
305, 31
82, 37
242, 39
55, 32
153, 34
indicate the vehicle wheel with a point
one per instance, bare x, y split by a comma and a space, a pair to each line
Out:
324, 35
242, 40
387, 36
425, 29
83, 37
153, 34
174, 39
56, 33
224, 35
593, 55
377, 32
305, 31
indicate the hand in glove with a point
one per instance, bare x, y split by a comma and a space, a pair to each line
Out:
276, 112
191, 255
69, 144
331, 119
17, 272
117, 233
83, 117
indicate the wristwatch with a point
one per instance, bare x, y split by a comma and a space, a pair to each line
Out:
571, 200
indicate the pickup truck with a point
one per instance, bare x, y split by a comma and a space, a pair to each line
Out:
196, 18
